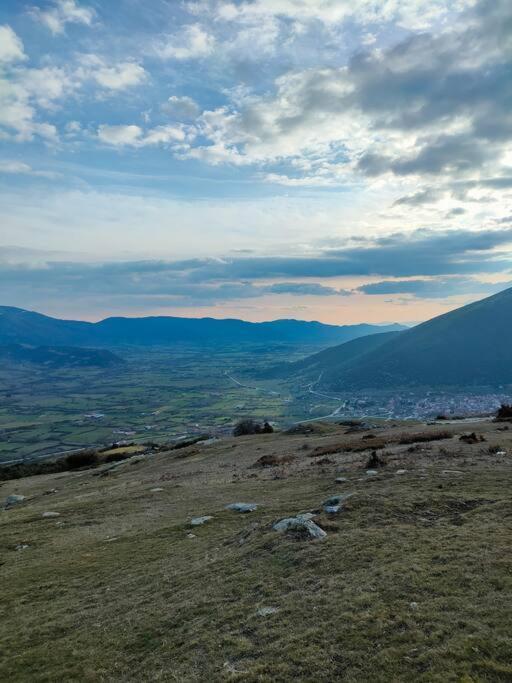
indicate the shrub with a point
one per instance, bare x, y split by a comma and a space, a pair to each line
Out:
504, 412
245, 427
75, 461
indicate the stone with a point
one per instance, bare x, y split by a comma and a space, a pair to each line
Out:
13, 499
191, 536
22, 546
400, 471
340, 480
47, 515
267, 611
413, 605
300, 524
371, 473
242, 507
157, 490
332, 509
198, 521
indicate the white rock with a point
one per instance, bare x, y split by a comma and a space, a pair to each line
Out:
13, 499
413, 605
242, 507
340, 480
400, 471
22, 546
198, 521
267, 611
299, 524
46, 515
157, 490
371, 473
191, 536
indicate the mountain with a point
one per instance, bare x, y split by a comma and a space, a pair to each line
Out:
471, 346
27, 327
58, 356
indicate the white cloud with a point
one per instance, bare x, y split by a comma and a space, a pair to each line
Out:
192, 43
21, 168
134, 136
181, 107
11, 47
119, 136
64, 12
411, 14
111, 77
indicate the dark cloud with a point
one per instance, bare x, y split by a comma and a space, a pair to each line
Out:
438, 288
209, 281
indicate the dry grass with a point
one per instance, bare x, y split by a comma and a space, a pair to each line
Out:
412, 582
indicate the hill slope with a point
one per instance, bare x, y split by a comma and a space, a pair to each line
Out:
58, 356
27, 327
470, 346
409, 584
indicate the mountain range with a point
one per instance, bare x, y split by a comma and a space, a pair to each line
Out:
18, 326
470, 346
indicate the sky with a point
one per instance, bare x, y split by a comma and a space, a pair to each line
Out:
316, 159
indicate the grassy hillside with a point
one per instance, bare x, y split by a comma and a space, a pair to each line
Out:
466, 347
58, 356
410, 584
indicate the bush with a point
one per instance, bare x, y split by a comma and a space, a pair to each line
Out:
245, 427
505, 412
75, 461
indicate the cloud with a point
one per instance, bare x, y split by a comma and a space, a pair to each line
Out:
21, 168
435, 288
134, 136
193, 42
11, 47
64, 12
181, 107
115, 77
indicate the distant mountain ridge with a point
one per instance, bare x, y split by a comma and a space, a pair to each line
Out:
471, 346
19, 326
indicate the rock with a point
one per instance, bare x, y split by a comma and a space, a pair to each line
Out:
191, 536
413, 605
501, 452
340, 480
22, 546
198, 521
13, 499
371, 473
242, 507
400, 471
334, 504
157, 490
300, 524
267, 611
47, 515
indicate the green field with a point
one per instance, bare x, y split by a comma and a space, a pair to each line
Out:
157, 395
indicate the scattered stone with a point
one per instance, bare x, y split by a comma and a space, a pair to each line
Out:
334, 504
267, 611
191, 536
340, 480
49, 492
400, 471
198, 521
47, 515
300, 524
242, 507
157, 490
371, 473
413, 605
13, 499
22, 546
501, 453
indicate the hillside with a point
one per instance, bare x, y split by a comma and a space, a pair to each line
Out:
58, 356
27, 327
410, 582
467, 347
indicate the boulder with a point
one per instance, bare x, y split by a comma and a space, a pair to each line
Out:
13, 499
242, 507
300, 524
198, 521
